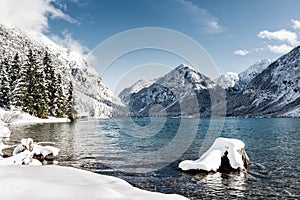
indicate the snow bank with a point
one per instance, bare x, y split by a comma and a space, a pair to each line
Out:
18, 117
54, 182
222, 148
4, 131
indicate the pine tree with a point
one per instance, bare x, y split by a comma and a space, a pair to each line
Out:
15, 71
70, 102
50, 82
40, 106
31, 66
20, 92
59, 99
4, 85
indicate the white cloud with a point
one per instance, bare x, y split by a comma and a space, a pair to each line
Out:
35, 14
206, 22
280, 35
69, 42
296, 24
280, 49
30, 14
241, 52
258, 49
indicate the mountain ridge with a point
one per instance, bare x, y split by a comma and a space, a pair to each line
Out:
91, 94
265, 89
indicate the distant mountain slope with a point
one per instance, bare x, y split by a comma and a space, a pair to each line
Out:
136, 87
275, 92
91, 95
181, 92
228, 80
250, 73
265, 89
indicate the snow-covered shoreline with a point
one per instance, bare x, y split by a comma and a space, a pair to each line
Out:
56, 182
8, 117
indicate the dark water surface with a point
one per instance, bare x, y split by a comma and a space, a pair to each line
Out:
116, 147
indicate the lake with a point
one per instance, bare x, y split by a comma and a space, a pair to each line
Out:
146, 153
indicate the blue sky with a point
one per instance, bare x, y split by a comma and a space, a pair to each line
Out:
235, 33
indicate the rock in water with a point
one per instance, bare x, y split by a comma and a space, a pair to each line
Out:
225, 154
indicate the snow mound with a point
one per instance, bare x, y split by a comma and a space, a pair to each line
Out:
54, 182
19, 117
211, 160
4, 131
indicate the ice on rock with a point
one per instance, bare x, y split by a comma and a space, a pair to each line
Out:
213, 159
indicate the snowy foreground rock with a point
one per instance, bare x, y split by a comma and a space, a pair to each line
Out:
54, 182
26, 153
224, 154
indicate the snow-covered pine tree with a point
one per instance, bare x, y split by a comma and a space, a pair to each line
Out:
40, 106
70, 102
59, 99
31, 65
15, 71
50, 82
19, 94
4, 84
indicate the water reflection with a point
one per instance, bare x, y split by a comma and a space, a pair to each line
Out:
233, 184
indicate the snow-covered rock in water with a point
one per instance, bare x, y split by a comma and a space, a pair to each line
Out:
224, 154
54, 182
27, 151
228, 80
44, 150
23, 158
91, 94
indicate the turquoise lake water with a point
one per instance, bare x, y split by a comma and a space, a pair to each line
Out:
146, 153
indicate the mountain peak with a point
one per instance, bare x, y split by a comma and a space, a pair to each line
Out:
185, 67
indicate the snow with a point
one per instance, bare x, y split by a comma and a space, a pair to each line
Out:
45, 150
23, 158
55, 182
19, 117
4, 131
23, 153
246, 76
136, 87
211, 159
228, 80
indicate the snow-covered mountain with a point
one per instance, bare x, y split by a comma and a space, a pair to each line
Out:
246, 76
228, 80
265, 89
91, 94
183, 91
136, 87
275, 92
